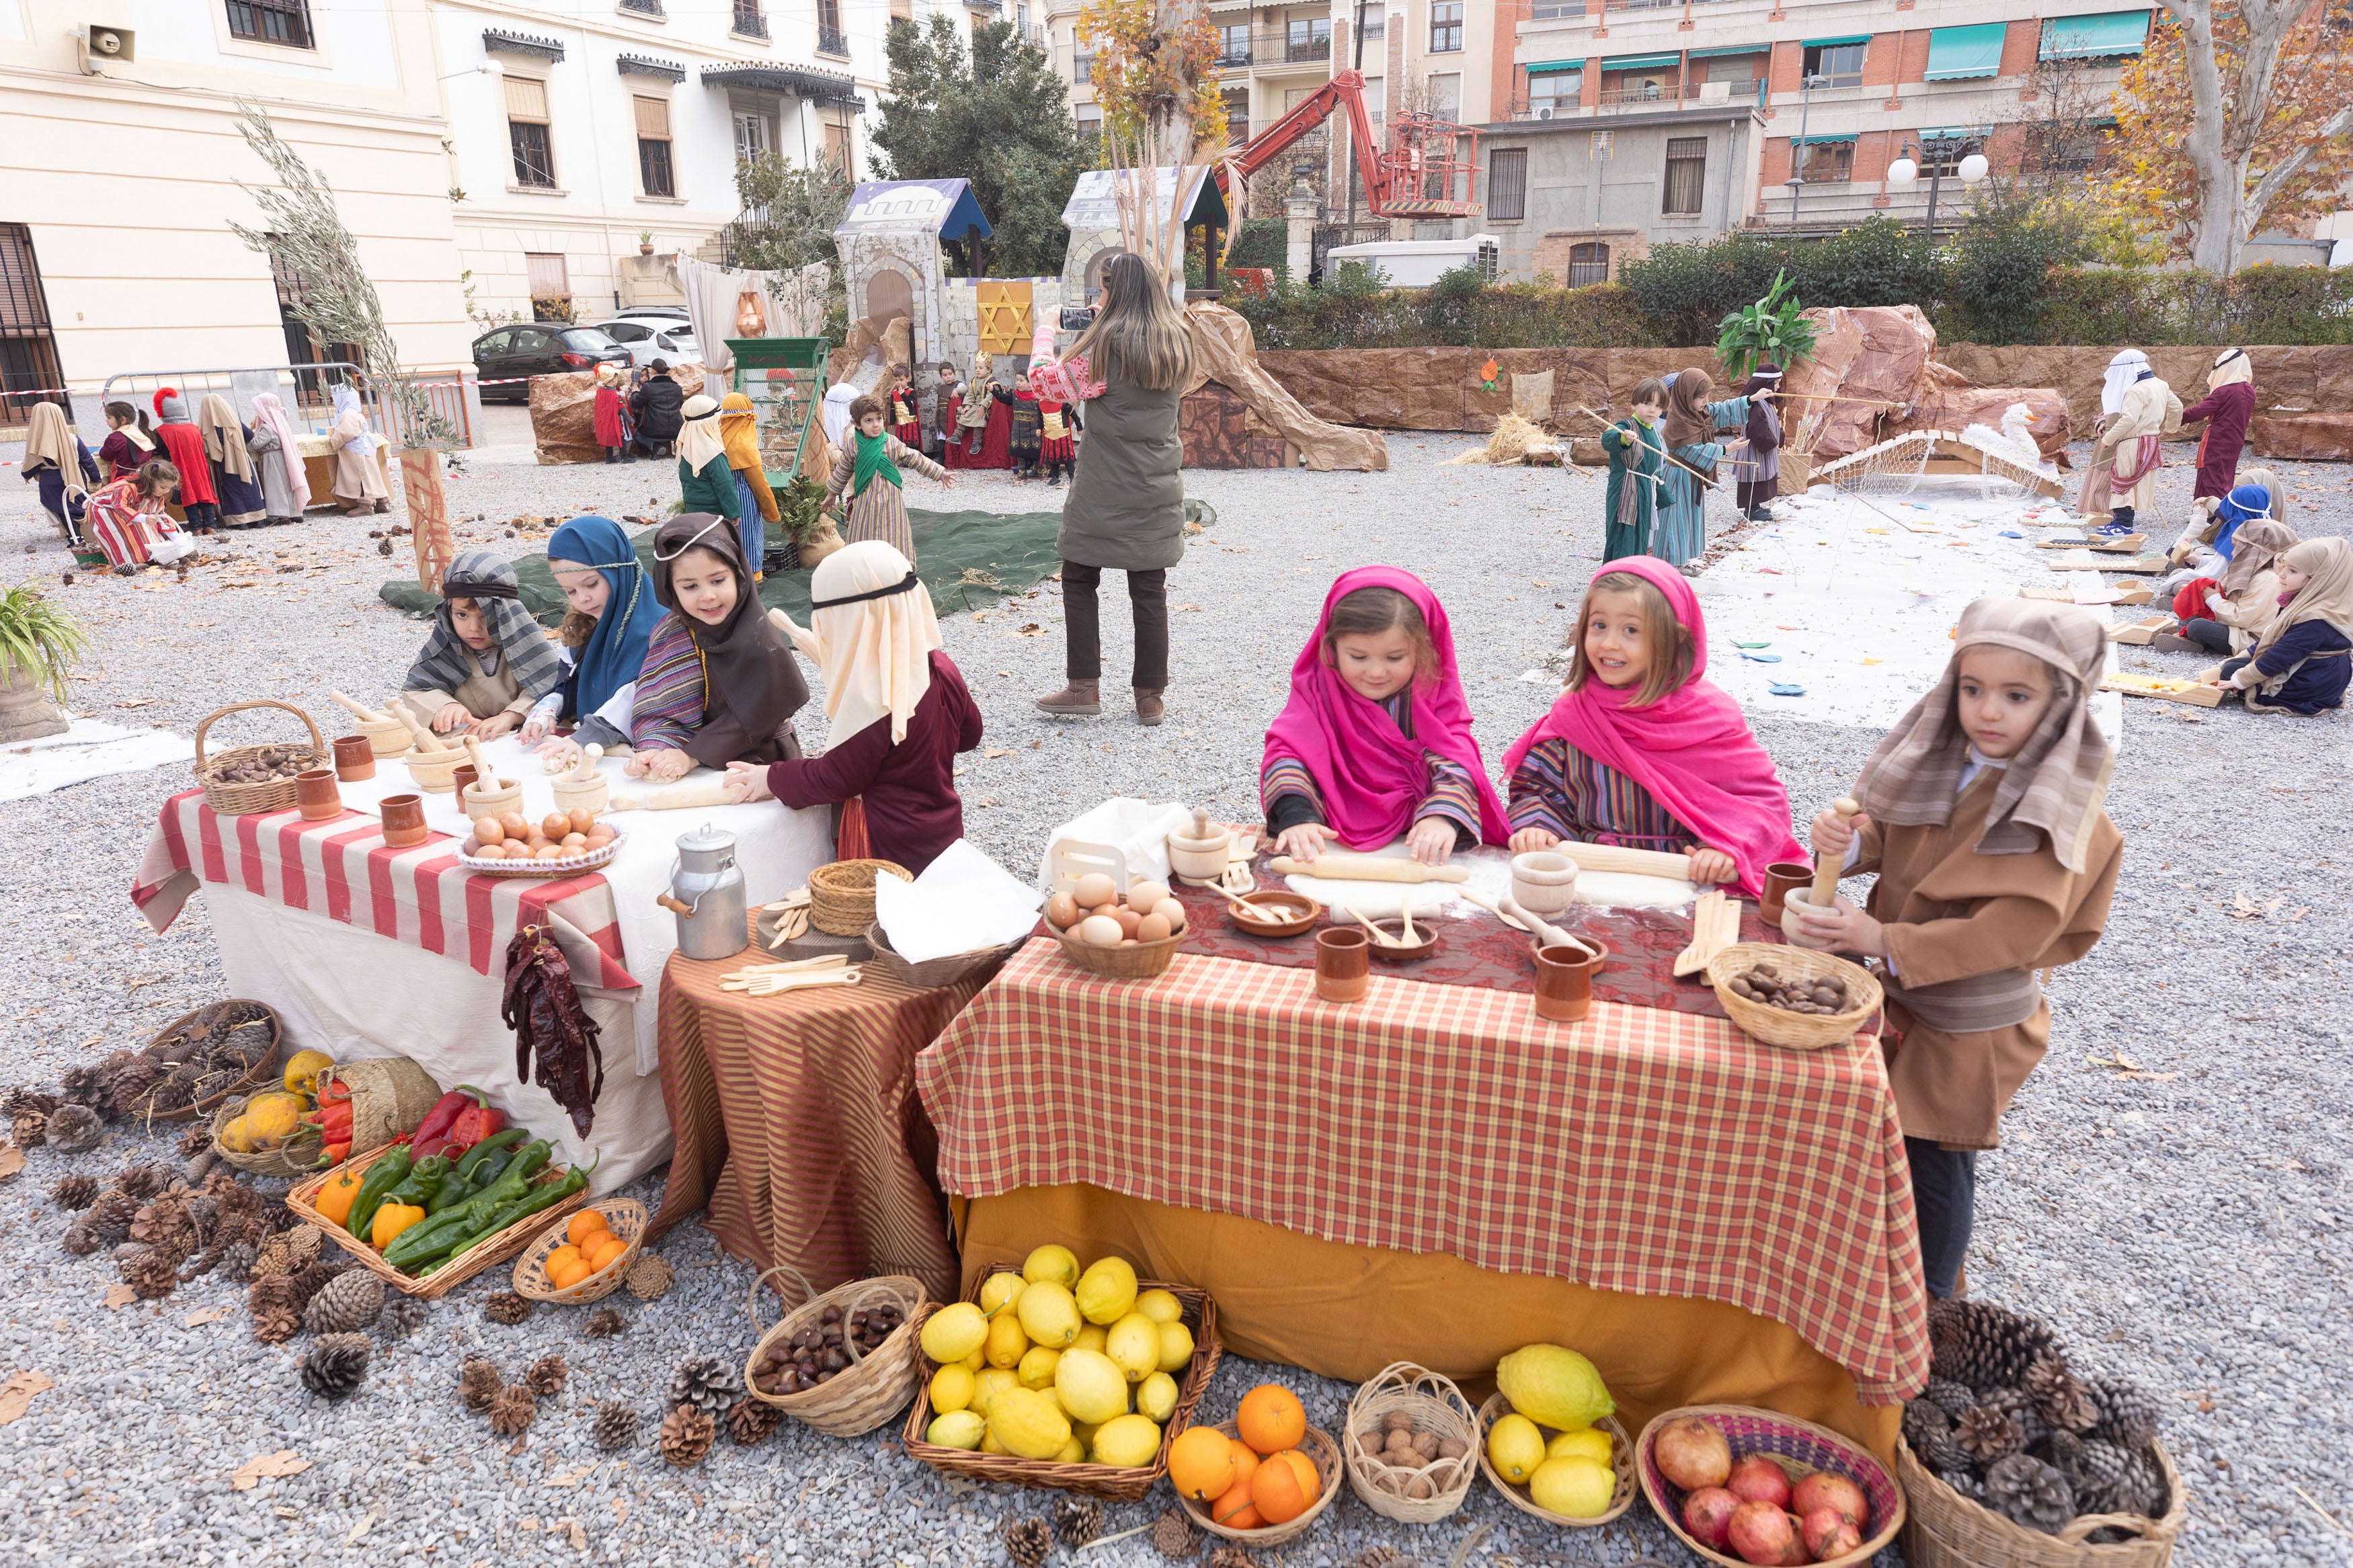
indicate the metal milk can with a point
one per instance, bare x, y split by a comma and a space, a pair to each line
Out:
707, 895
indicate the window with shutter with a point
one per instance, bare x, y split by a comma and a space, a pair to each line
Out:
1687, 175
284, 22
654, 176
1507, 184
534, 160
545, 276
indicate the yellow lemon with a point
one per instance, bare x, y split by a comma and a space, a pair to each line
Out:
1030, 1424
1155, 1396
974, 1362
1554, 1385
1058, 1264
1006, 1345
1588, 1443
989, 1442
1073, 1452
1000, 1291
1106, 1292
1092, 1386
1134, 1345
1129, 1441
954, 1333
1515, 1447
1175, 1347
956, 1429
1036, 1369
1048, 1316
1576, 1487
952, 1390
992, 1382
1160, 1306
1092, 1337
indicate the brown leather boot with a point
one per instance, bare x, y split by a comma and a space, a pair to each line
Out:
1148, 706
1079, 699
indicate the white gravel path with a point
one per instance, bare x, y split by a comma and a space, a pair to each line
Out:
2184, 1224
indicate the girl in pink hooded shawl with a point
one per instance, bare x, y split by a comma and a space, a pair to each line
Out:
1374, 742
1640, 750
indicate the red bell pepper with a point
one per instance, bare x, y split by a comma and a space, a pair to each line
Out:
473, 1125
437, 1133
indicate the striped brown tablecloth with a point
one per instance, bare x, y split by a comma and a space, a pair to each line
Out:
798, 1125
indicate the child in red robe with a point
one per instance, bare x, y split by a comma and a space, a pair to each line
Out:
183, 445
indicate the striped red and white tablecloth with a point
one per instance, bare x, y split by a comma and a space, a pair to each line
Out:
341, 868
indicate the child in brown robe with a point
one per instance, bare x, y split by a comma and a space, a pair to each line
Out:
1982, 819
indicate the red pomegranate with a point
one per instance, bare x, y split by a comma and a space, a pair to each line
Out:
1795, 1555
1691, 1453
1756, 1479
1761, 1533
1824, 1489
1829, 1533
1707, 1514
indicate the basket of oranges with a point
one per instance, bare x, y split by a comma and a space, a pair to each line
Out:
1261, 1478
583, 1259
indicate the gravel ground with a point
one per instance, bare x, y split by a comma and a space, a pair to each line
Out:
2180, 1224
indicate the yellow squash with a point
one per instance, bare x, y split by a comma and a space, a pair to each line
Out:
302, 1070
391, 1219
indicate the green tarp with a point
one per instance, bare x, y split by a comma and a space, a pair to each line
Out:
2101, 37
965, 558
1955, 54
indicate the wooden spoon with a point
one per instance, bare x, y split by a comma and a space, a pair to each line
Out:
1381, 937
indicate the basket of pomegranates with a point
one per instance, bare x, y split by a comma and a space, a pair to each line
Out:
1740, 1485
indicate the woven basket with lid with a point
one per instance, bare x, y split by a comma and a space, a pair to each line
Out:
230, 799
876, 1386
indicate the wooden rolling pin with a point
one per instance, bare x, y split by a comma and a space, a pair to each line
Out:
680, 797
359, 711
1828, 866
1366, 869
1632, 862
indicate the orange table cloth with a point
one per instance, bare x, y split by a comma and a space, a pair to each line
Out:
1644, 1152
797, 1122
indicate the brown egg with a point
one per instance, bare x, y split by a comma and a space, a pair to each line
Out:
547, 852
1128, 920
1153, 927
581, 819
599, 836
513, 825
555, 825
1061, 909
489, 830
1099, 931
1172, 911
490, 852
535, 844
574, 842
1147, 894
1095, 889
1106, 908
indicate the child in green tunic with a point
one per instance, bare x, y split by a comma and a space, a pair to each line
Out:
1635, 449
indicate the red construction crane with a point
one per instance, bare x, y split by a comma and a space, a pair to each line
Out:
1428, 173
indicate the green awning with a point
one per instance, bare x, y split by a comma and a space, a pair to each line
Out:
1638, 62
1821, 139
1955, 53
2098, 36
1732, 50
1535, 68
1838, 42
1956, 134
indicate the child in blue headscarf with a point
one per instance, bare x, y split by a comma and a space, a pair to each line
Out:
613, 617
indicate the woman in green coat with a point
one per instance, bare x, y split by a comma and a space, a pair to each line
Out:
703, 477
1636, 452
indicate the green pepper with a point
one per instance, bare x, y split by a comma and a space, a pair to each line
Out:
471, 1165
417, 1240
487, 1174
423, 1177
441, 1248
452, 1188
383, 1177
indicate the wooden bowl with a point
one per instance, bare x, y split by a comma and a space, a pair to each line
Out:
1406, 953
431, 771
1301, 912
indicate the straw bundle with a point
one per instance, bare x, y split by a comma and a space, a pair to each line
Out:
1510, 443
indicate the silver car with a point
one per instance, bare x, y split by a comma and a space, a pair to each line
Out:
650, 338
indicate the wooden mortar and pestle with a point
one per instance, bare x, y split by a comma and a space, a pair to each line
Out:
581, 784
1825, 892
489, 794
386, 735
433, 760
1200, 857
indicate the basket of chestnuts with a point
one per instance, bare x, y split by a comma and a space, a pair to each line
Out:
843, 1361
1793, 996
243, 780
1412, 1444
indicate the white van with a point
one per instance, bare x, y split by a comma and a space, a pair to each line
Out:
1416, 263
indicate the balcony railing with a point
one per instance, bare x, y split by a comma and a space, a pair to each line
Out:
1645, 100
749, 22
1275, 47
832, 41
643, 8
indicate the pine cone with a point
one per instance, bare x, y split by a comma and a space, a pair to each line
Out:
1173, 1534
513, 1410
1231, 1557
236, 1263
604, 1324
706, 1382
404, 1317
750, 1421
1923, 1423
1964, 1481
196, 1139
82, 1086
2127, 1414
616, 1426
336, 1366
2065, 1450
175, 1090
2025, 1489
143, 1182
1026, 1542
1951, 1397
29, 1129
165, 1225
478, 1384
1374, 1557
546, 1376
80, 1240
2060, 1396
154, 1274
2020, 1408
24, 1099
75, 1193
128, 1086
352, 1299
310, 1280
649, 1278
506, 1307
276, 1325
110, 1217
74, 1128
1988, 1434
304, 1243
686, 1436
1077, 1520
1985, 1346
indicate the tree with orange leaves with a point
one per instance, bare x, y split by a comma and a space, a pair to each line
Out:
1155, 71
2237, 118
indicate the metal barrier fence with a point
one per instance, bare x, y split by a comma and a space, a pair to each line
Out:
315, 387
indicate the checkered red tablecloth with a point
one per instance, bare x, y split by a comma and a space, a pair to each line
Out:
342, 869
1643, 1150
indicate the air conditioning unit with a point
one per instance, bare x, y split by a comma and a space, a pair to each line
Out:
1546, 112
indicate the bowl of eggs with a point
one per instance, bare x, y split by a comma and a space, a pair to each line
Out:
1133, 937
561, 844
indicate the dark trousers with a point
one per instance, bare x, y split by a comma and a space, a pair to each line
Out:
1753, 493
2211, 635
1147, 596
1943, 1197
2232, 667
203, 515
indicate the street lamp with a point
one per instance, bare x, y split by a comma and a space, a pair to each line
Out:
1905, 173
488, 67
1797, 180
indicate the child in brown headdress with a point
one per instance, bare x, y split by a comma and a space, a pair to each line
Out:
1692, 424
1983, 820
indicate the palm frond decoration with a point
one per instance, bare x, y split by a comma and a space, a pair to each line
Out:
38, 638
1771, 329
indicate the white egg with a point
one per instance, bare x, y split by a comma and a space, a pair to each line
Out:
1147, 895
1172, 911
1101, 931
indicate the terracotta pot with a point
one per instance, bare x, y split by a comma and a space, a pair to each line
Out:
460, 776
1564, 984
403, 820
1780, 877
1544, 882
354, 758
1343, 964
316, 795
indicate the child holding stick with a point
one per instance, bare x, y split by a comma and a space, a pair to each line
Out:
1636, 453
1690, 437
485, 665
1982, 820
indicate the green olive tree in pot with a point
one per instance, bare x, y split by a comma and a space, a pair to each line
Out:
39, 645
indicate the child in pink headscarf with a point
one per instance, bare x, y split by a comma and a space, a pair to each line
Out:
1640, 750
1374, 742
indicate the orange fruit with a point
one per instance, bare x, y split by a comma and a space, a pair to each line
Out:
1235, 1509
563, 1254
567, 1271
602, 1250
1271, 1419
1246, 1461
1285, 1487
1201, 1463
585, 1224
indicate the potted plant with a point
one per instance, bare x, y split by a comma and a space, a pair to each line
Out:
645, 242
39, 645
1771, 329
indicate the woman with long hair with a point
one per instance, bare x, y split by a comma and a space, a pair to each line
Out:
1126, 508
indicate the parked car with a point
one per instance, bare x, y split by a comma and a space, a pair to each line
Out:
549, 347
649, 337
